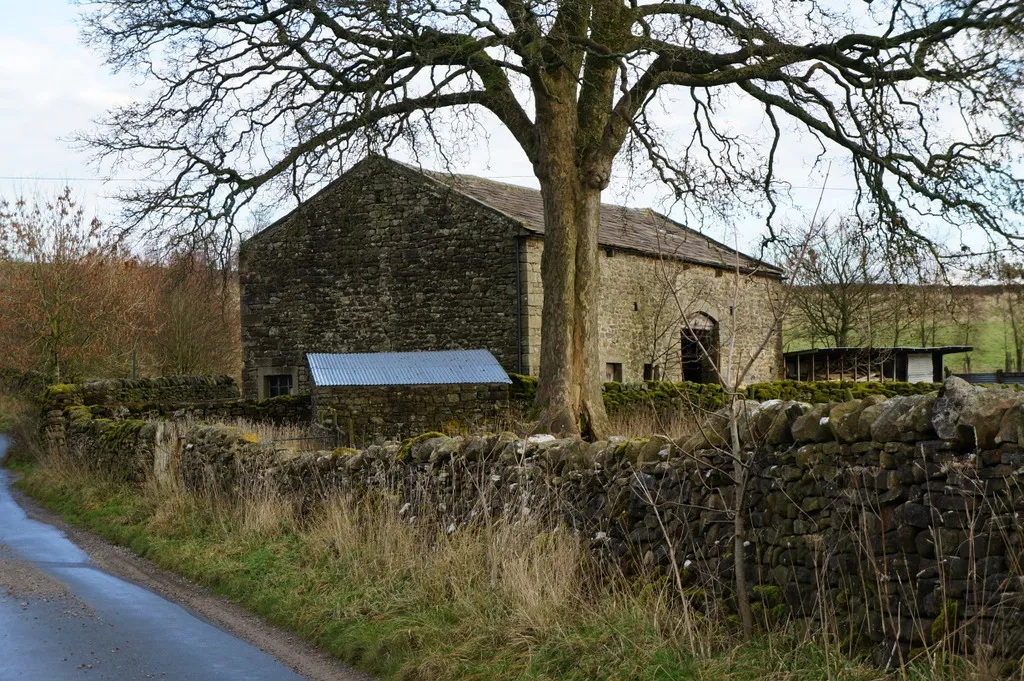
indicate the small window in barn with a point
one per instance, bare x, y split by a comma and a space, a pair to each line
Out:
608, 253
613, 372
278, 384
652, 372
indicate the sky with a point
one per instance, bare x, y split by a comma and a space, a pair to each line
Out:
52, 86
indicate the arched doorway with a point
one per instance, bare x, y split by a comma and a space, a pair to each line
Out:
700, 348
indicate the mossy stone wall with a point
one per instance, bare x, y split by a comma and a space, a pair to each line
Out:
859, 504
667, 395
164, 389
901, 514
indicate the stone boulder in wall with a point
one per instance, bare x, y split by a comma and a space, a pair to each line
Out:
981, 418
814, 426
951, 402
904, 419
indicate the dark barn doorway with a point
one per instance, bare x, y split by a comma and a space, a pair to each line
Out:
699, 343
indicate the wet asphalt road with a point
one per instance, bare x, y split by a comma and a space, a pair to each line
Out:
62, 618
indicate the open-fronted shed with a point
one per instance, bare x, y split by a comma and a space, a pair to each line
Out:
911, 364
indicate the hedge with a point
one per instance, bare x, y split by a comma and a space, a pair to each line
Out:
665, 394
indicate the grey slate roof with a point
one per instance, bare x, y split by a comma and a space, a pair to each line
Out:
640, 230
635, 229
405, 368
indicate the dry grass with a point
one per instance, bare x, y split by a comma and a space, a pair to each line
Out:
13, 410
421, 600
643, 421
297, 436
538, 577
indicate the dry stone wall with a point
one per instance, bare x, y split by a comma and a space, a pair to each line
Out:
122, 449
899, 515
180, 389
286, 409
859, 506
131, 439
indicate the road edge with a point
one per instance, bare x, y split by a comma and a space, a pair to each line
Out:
302, 657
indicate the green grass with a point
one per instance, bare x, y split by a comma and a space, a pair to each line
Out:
369, 590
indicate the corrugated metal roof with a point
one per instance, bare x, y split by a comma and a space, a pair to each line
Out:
406, 368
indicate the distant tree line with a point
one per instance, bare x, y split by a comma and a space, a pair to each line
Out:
849, 290
76, 302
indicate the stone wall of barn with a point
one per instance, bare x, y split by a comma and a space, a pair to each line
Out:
383, 260
368, 413
643, 304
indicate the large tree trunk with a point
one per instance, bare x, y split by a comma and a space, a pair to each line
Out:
569, 394
558, 389
586, 338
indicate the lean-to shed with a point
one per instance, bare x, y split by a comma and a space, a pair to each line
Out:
402, 394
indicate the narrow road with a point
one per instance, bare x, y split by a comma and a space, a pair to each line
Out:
62, 617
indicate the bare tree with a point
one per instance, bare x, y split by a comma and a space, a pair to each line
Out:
930, 300
67, 292
838, 279
251, 95
1009, 272
198, 330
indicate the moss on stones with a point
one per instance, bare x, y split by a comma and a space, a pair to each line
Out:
946, 621
665, 394
405, 451
118, 433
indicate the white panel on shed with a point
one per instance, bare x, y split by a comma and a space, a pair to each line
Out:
919, 368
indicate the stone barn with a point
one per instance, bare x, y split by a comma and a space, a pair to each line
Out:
390, 258
395, 394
